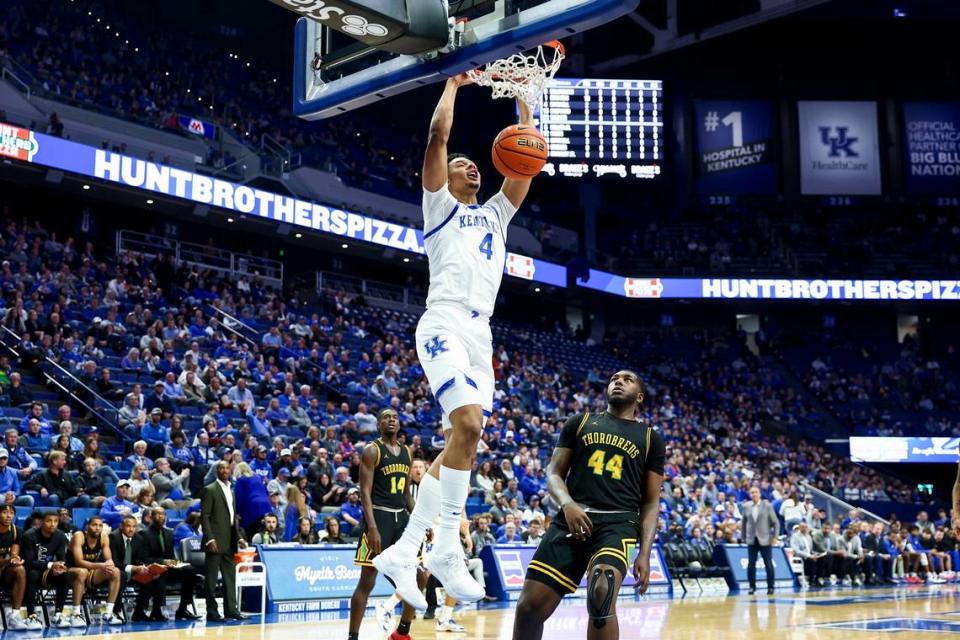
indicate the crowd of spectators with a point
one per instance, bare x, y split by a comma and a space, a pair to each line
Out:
74, 53
286, 392
882, 397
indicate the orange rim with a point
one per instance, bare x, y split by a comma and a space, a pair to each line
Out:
556, 44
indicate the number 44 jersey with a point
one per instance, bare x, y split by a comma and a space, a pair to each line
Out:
610, 459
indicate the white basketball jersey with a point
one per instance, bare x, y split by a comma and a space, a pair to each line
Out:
466, 248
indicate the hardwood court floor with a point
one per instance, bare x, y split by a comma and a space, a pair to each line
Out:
914, 612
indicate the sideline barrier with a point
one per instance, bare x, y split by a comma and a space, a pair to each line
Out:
506, 565
303, 578
734, 558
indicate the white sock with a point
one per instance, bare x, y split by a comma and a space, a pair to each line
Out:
454, 487
424, 513
392, 602
445, 613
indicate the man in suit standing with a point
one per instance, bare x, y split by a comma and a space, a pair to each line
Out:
156, 547
759, 529
221, 539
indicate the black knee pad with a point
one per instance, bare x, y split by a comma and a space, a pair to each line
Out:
599, 602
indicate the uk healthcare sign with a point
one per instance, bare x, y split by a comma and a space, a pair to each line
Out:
894, 449
653, 288
41, 149
839, 148
931, 137
734, 147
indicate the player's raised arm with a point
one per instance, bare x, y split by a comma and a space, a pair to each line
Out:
516, 190
435, 159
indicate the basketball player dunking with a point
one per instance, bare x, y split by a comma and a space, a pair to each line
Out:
465, 243
606, 473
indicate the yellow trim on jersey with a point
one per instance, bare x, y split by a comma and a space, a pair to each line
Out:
377, 463
563, 580
646, 452
583, 422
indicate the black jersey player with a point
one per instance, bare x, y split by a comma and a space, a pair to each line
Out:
606, 473
385, 496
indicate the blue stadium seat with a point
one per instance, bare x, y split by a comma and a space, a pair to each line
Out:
80, 516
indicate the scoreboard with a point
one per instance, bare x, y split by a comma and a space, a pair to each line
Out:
602, 128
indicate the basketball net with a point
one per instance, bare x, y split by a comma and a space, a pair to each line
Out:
521, 76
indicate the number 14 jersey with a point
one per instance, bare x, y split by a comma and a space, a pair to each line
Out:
610, 459
390, 476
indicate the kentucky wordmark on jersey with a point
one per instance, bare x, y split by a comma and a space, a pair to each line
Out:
466, 248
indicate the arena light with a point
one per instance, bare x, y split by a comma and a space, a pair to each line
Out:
298, 235
536, 289
86, 187
149, 201
229, 219
344, 246
406, 259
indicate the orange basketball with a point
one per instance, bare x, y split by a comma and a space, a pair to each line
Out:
519, 152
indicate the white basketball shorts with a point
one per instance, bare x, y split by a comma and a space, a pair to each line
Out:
455, 348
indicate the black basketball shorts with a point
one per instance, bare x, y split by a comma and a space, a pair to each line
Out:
561, 560
389, 524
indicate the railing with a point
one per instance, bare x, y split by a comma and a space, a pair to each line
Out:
104, 421
251, 266
282, 158
146, 245
235, 322
834, 506
220, 260
8, 74
383, 294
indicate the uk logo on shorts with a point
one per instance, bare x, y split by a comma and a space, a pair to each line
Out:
436, 346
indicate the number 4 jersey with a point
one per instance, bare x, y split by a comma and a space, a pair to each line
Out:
466, 249
610, 458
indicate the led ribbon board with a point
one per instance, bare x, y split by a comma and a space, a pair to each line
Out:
770, 288
41, 149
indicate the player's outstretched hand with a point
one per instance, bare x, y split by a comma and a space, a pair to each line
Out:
578, 521
461, 79
374, 544
641, 572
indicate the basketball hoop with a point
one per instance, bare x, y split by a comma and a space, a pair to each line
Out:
521, 76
